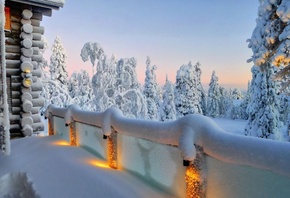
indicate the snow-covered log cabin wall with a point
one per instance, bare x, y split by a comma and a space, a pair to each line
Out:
220, 164
4, 114
24, 43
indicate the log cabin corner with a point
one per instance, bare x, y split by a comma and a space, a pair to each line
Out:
20, 84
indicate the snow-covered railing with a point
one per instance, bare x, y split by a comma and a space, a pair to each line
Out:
188, 133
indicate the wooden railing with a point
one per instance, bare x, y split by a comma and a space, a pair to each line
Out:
210, 154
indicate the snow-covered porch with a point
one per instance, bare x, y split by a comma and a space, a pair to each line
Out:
77, 159
59, 170
217, 163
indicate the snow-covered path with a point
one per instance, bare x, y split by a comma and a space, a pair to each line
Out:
64, 171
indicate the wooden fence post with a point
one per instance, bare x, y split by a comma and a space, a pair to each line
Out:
50, 125
194, 177
112, 150
72, 134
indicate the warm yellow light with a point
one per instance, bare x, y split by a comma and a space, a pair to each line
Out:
192, 174
27, 71
195, 186
112, 150
61, 143
72, 134
27, 82
97, 163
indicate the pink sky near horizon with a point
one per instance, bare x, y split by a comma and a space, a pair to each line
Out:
172, 34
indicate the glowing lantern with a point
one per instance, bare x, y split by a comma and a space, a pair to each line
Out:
27, 82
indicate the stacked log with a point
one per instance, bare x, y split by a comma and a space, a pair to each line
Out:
31, 44
36, 88
23, 45
12, 56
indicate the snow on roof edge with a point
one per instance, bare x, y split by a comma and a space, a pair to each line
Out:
55, 4
184, 133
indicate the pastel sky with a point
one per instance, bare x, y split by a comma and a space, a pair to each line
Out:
170, 32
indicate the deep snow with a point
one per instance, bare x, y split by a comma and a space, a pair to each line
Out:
57, 170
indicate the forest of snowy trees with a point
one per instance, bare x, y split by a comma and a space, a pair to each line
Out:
114, 84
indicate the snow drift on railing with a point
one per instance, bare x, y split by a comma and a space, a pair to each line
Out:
185, 133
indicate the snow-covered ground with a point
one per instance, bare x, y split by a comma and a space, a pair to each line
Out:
48, 167
57, 170
53, 169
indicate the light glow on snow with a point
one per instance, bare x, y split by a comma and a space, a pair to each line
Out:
98, 163
61, 143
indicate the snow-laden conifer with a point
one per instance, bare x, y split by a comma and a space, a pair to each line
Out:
263, 111
225, 103
244, 105
187, 97
151, 91
167, 108
270, 39
103, 83
200, 93
213, 97
80, 89
115, 82
56, 87
57, 67
129, 97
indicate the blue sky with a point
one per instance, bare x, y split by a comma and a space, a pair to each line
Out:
171, 32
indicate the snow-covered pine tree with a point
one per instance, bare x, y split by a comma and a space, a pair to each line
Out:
167, 108
237, 94
103, 83
226, 103
129, 97
73, 86
263, 112
213, 97
104, 79
186, 94
92, 51
151, 91
80, 89
244, 105
57, 67
57, 88
201, 96
115, 82
270, 41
